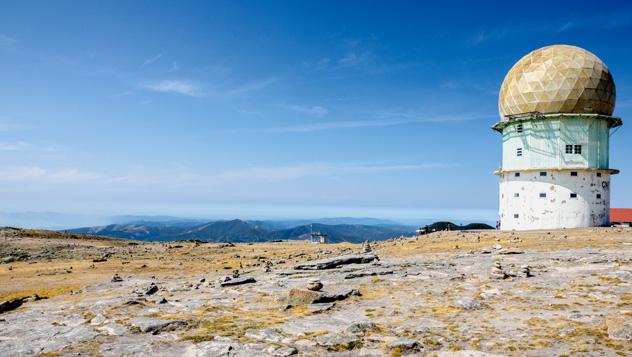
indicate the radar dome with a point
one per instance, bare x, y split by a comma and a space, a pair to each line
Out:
557, 79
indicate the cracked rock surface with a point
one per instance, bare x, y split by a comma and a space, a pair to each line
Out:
427, 296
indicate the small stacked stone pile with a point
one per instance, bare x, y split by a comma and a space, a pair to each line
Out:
116, 278
268, 268
525, 271
366, 247
497, 272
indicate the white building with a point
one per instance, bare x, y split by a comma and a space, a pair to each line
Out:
555, 106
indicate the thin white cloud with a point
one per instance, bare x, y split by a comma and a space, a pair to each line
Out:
174, 86
151, 60
565, 27
285, 173
42, 175
45, 178
355, 124
252, 86
14, 146
316, 110
7, 40
353, 59
450, 84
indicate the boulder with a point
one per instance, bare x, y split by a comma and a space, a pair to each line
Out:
314, 285
151, 289
302, 297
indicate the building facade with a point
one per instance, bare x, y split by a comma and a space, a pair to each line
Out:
555, 106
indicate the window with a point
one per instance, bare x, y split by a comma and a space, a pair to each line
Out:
598, 174
573, 195
516, 215
573, 173
542, 173
517, 174
578, 149
516, 195
569, 149
519, 128
519, 152
543, 195
598, 195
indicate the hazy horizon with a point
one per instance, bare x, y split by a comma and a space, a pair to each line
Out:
275, 110
60, 221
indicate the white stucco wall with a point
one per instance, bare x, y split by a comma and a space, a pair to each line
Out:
557, 209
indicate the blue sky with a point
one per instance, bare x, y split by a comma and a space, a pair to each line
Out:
266, 109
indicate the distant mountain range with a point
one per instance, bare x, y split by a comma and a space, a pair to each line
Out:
242, 231
260, 231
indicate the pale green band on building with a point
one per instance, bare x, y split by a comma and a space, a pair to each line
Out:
543, 140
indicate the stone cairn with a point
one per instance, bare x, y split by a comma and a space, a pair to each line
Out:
268, 268
525, 271
497, 272
366, 247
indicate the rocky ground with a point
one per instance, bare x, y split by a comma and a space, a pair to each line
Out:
558, 293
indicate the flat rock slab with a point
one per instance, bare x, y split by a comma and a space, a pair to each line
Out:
268, 335
338, 341
10, 304
148, 324
239, 281
361, 274
510, 251
464, 353
321, 307
303, 296
620, 327
331, 263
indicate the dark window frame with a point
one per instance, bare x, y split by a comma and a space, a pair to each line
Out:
573, 173
569, 149
543, 174
573, 195
578, 149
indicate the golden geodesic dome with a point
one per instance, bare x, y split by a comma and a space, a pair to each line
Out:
557, 79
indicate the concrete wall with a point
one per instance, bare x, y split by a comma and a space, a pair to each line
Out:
557, 209
543, 143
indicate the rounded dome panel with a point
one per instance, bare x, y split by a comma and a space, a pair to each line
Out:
557, 79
